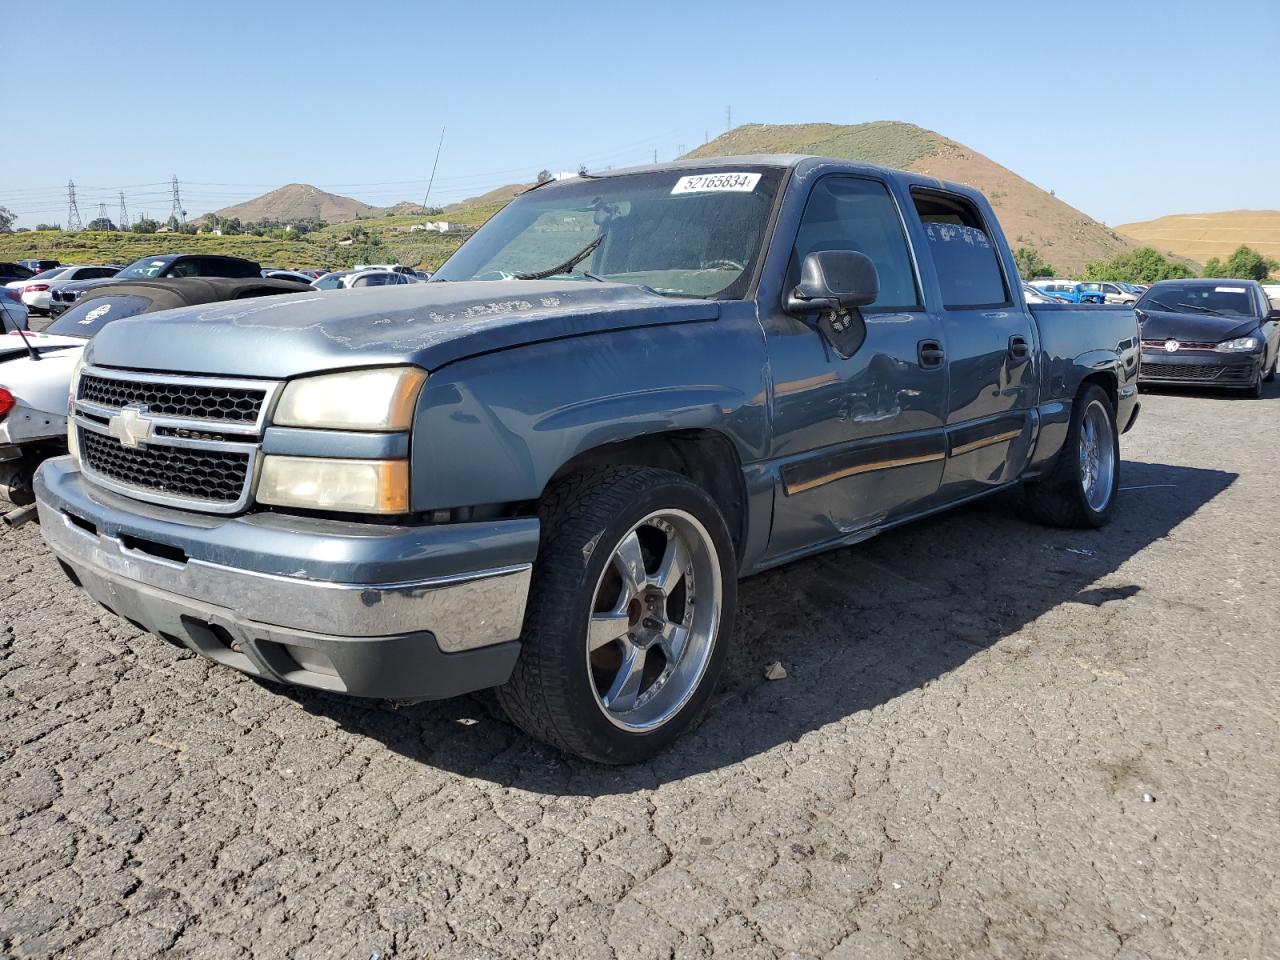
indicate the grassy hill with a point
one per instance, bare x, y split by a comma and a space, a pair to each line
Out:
1204, 235
1030, 216
298, 201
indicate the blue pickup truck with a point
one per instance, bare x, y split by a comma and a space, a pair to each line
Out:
546, 470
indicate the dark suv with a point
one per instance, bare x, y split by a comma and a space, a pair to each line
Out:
39, 266
153, 268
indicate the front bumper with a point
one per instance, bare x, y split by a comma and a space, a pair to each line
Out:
363, 609
1200, 368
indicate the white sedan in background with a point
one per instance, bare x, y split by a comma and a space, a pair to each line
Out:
37, 290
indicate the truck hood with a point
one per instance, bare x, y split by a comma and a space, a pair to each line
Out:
428, 324
1194, 327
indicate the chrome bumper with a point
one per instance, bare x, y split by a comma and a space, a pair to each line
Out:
421, 638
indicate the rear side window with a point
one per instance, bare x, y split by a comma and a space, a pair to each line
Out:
852, 213
963, 254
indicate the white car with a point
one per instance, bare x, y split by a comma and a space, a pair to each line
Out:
1112, 292
37, 290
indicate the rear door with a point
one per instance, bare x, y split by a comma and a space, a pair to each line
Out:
859, 439
990, 347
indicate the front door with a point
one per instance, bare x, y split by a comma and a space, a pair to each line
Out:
991, 349
857, 440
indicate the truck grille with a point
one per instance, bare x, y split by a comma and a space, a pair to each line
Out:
182, 441
185, 400
218, 477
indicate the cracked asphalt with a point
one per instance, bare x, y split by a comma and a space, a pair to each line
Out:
994, 740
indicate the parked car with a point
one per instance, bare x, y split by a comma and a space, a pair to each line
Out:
159, 267
1068, 290
377, 278
1112, 291
36, 293
550, 482
34, 424
13, 312
45, 276
1220, 333
39, 266
293, 275
330, 281
9, 272
1034, 295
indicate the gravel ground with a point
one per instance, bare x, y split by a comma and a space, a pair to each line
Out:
993, 740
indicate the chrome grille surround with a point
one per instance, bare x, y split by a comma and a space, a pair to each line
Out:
184, 436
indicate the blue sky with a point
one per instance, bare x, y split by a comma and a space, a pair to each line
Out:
1127, 110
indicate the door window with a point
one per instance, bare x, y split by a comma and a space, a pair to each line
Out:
963, 254
852, 213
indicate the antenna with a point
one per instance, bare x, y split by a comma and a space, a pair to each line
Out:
655, 156
124, 213
439, 147
176, 212
73, 211
728, 119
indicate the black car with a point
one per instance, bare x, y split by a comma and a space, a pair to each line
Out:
1217, 333
160, 267
40, 266
14, 271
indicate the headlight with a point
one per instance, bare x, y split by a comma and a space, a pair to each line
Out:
381, 398
319, 483
73, 446
1238, 345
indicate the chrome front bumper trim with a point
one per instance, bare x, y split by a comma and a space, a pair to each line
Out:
463, 611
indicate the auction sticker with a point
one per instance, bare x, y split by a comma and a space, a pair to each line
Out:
709, 182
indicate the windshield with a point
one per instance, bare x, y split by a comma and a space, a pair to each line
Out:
1224, 299
331, 281
143, 269
88, 317
677, 232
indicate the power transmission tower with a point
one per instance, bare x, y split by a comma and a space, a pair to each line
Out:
176, 212
124, 213
102, 213
73, 211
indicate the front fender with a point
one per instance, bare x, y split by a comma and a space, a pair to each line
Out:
495, 428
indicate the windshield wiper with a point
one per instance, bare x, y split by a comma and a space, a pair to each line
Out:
1196, 306
1161, 305
565, 267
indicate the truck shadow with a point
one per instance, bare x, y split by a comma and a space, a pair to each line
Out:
855, 629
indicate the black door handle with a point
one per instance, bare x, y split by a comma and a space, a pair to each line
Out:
1018, 348
931, 353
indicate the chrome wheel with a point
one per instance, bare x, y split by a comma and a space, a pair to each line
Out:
1097, 456
655, 616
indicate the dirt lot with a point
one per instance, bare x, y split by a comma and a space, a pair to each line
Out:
994, 740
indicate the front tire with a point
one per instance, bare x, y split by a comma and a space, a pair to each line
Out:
630, 612
1081, 489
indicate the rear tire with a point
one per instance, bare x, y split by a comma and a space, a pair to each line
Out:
630, 614
1080, 491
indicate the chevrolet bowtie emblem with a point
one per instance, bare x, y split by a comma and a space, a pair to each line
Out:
131, 426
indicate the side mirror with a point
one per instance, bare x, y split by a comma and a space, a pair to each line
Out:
1273, 314
834, 284
834, 280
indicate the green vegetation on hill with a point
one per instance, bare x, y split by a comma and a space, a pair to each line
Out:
1244, 264
1144, 265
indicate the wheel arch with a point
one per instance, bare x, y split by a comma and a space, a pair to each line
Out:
705, 456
